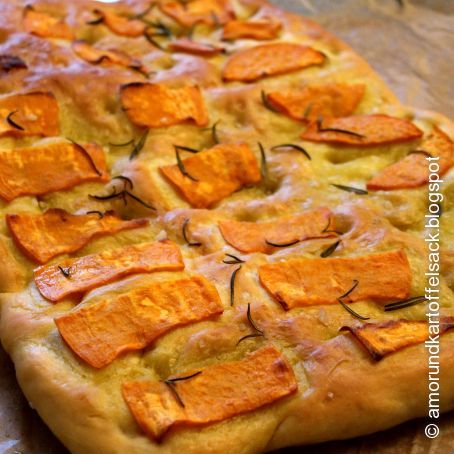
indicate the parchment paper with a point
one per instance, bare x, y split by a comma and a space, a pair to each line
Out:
411, 45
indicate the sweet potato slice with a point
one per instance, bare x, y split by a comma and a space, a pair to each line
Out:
44, 236
308, 103
210, 12
120, 25
213, 174
255, 29
256, 237
381, 339
362, 130
305, 282
96, 56
29, 114
190, 46
215, 393
47, 168
413, 170
100, 332
157, 106
270, 60
45, 25
79, 275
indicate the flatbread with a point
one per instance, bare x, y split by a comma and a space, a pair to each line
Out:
341, 390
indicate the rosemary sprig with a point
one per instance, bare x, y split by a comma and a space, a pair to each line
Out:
325, 55
160, 27
127, 181
121, 195
294, 147
327, 230
214, 132
266, 103
97, 21
263, 162
137, 148
188, 149
12, 123
141, 70
307, 110
347, 293
232, 285
139, 200
187, 377
139, 145
344, 131
172, 383
99, 213
65, 271
182, 167
151, 40
423, 152
191, 30
350, 189
330, 249
101, 59
349, 309
145, 12
88, 155
404, 303
9, 62
185, 225
249, 317
114, 195
291, 243
129, 142
258, 332
346, 307
166, 31
234, 260
249, 336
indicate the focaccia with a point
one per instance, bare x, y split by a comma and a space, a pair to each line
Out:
216, 221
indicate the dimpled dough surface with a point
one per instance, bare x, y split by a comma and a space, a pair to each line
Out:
342, 391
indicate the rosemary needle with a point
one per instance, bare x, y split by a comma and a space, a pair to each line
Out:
232, 285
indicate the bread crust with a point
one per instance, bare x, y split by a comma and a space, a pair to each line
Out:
342, 393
